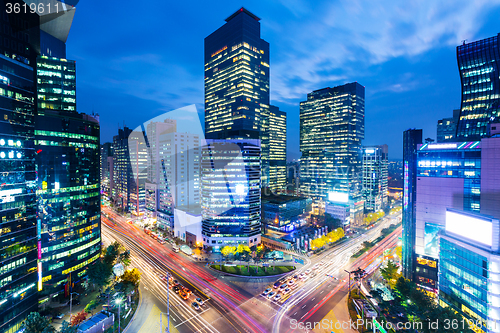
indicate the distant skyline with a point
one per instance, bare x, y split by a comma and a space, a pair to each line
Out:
135, 62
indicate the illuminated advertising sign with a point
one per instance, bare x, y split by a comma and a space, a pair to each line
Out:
474, 228
39, 275
7, 195
338, 197
442, 146
369, 151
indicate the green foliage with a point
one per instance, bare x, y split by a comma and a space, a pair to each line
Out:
67, 328
35, 323
91, 306
228, 250
130, 280
99, 273
390, 273
125, 258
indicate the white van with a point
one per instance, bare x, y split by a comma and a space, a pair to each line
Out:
175, 248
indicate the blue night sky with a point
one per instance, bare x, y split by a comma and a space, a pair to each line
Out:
137, 60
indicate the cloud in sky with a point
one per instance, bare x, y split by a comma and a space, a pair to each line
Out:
352, 35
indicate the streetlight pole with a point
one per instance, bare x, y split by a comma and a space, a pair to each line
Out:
168, 307
71, 304
119, 302
349, 285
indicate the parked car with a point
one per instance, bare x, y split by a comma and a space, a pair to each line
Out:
176, 289
276, 284
277, 297
200, 301
271, 294
286, 291
196, 306
59, 316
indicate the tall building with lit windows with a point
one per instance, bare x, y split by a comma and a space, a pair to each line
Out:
439, 176
276, 172
19, 241
230, 192
478, 64
237, 92
375, 174
332, 126
68, 169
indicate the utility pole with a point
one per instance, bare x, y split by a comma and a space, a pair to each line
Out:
349, 285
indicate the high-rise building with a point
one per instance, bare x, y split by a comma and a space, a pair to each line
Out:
411, 139
457, 175
19, 242
331, 130
237, 92
122, 172
107, 169
179, 175
447, 128
230, 195
480, 80
68, 169
469, 253
375, 174
276, 136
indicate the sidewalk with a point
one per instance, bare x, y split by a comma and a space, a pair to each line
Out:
143, 312
84, 300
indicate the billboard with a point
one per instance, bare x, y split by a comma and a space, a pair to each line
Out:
474, 228
338, 197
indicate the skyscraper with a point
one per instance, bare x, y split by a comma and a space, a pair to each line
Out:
230, 196
332, 126
237, 91
122, 173
375, 175
18, 237
276, 166
411, 138
107, 169
68, 169
480, 79
447, 128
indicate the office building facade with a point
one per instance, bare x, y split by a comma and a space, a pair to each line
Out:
107, 169
237, 92
469, 270
122, 170
480, 81
458, 175
19, 250
179, 175
284, 212
447, 128
331, 131
230, 193
375, 174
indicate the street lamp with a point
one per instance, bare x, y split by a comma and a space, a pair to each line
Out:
119, 302
71, 303
168, 305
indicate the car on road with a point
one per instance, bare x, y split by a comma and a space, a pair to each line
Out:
322, 262
294, 286
183, 294
276, 284
295, 277
308, 271
305, 278
175, 248
315, 266
286, 291
59, 316
283, 286
176, 289
271, 294
277, 297
267, 291
200, 301
301, 275
291, 282
196, 306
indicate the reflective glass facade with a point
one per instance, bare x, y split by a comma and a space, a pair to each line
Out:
123, 176
480, 79
237, 92
230, 196
18, 225
332, 126
375, 175
68, 178
447, 128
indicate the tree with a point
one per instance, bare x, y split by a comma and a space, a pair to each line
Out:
399, 252
78, 318
390, 273
242, 248
35, 323
228, 250
91, 307
67, 328
99, 273
125, 258
130, 279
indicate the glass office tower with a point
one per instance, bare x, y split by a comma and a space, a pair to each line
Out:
480, 79
19, 250
411, 139
332, 126
68, 170
230, 195
276, 166
237, 90
375, 175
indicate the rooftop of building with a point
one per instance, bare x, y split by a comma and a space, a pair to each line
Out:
190, 209
242, 10
280, 199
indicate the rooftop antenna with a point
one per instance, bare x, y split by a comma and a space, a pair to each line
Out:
464, 41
